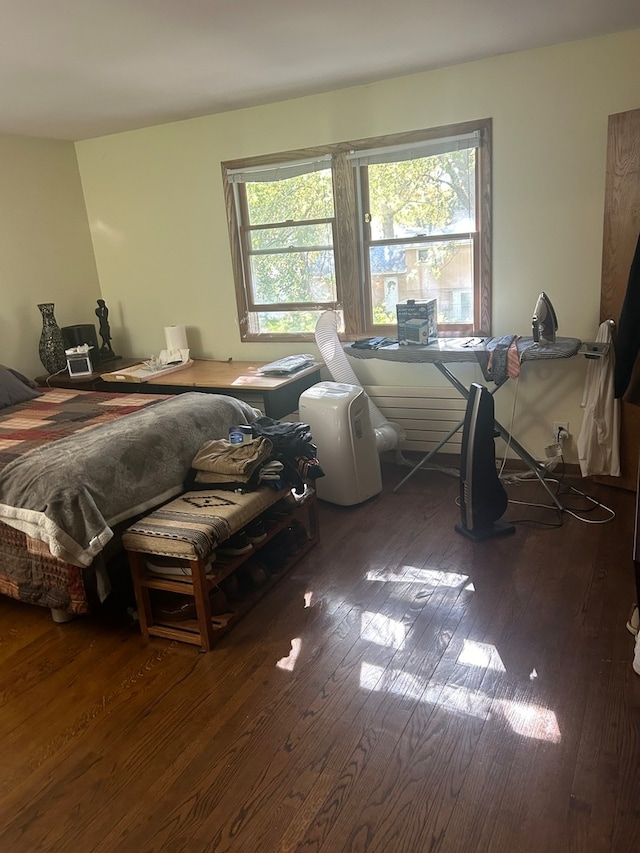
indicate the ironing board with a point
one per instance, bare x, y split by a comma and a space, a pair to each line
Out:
450, 350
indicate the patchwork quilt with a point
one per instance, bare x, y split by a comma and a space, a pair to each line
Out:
59, 413
28, 570
75, 463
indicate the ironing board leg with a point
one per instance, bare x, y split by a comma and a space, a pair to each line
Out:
531, 463
526, 457
431, 453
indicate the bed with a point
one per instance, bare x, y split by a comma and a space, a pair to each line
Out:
75, 466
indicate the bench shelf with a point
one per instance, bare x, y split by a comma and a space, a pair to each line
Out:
205, 577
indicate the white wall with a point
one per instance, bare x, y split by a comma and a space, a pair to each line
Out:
156, 212
45, 246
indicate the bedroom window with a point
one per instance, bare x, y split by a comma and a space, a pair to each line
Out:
359, 226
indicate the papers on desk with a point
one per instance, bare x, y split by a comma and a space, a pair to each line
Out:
143, 372
286, 366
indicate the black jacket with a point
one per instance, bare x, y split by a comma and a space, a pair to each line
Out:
628, 338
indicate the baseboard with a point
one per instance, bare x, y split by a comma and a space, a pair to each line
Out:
452, 460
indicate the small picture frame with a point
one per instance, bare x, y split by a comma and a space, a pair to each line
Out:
79, 364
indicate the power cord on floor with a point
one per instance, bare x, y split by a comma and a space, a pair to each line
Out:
596, 504
555, 458
576, 512
532, 521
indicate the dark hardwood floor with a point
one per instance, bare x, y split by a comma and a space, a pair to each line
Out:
402, 689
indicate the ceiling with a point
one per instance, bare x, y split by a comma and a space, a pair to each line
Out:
74, 69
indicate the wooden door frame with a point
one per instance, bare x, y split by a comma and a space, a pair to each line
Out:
620, 237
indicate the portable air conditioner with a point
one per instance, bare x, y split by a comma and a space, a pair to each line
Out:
338, 415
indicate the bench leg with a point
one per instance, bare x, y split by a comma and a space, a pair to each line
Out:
203, 604
143, 602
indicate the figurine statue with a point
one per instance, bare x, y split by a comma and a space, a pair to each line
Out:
102, 313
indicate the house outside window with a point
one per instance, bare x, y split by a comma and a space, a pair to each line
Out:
360, 226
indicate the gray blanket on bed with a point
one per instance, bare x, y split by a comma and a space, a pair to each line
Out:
70, 493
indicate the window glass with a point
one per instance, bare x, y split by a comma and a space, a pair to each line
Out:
441, 270
293, 273
289, 246
308, 196
287, 322
410, 204
429, 195
359, 227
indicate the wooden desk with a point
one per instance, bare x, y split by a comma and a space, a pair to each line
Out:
276, 396
91, 382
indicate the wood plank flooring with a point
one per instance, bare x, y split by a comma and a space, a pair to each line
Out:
402, 689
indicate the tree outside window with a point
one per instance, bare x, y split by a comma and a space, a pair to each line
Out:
359, 227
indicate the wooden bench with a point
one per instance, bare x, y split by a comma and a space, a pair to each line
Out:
188, 530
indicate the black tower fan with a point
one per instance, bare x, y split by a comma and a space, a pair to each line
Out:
483, 498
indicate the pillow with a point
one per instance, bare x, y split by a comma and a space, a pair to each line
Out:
14, 390
20, 376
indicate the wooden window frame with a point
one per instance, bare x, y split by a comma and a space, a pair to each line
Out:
353, 294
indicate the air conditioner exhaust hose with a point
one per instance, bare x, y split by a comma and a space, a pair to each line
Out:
388, 435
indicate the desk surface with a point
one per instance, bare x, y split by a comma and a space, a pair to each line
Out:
204, 373
453, 349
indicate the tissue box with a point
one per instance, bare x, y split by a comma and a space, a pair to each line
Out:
417, 322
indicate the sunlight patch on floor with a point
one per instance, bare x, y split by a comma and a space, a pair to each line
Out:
414, 574
289, 662
531, 720
385, 680
481, 654
523, 718
382, 630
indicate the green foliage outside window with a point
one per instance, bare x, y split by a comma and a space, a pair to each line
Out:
428, 195
296, 262
408, 228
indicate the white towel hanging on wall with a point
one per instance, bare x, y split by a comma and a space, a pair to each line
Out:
599, 439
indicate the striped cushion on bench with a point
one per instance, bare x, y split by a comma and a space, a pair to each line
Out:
191, 526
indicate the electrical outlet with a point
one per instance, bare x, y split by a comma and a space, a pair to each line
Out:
560, 431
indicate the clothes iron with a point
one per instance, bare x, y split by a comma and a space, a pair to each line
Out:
544, 323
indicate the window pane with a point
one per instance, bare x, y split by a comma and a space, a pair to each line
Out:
404, 228
318, 235
287, 322
293, 276
307, 196
441, 270
430, 195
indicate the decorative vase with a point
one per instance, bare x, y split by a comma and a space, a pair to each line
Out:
51, 349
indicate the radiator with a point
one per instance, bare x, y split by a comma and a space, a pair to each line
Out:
425, 414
